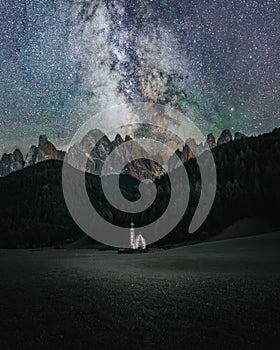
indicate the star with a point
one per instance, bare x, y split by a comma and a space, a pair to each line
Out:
63, 61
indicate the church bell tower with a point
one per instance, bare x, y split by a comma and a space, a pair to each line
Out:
132, 235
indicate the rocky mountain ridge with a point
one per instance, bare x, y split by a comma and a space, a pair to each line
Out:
84, 156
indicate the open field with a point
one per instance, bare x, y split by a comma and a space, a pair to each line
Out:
221, 295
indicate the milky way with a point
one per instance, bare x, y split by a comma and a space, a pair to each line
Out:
61, 61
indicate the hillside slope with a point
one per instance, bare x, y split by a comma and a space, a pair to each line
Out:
33, 212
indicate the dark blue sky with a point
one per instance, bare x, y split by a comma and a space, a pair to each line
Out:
61, 61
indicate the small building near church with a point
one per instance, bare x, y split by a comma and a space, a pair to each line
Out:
140, 242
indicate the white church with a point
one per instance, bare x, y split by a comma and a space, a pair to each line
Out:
136, 242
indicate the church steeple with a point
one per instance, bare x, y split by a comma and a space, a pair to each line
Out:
132, 235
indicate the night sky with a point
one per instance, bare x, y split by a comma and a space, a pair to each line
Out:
61, 61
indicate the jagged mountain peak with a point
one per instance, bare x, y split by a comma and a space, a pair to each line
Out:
239, 136
211, 141
92, 137
44, 151
11, 162
225, 137
128, 138
42, 140
95, 147
118, 140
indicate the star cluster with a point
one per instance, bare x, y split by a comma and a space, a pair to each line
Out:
61, 61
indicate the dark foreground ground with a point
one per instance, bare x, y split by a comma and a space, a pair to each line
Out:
220, 295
